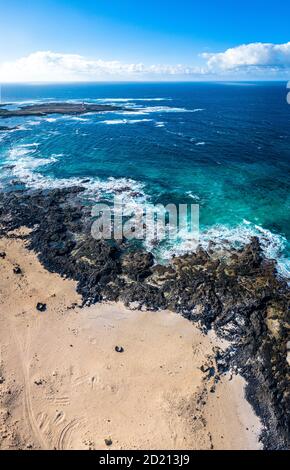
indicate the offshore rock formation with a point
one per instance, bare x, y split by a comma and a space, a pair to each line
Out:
58, 108
240, 295
6, 128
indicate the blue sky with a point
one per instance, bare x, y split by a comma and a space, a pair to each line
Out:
151, 33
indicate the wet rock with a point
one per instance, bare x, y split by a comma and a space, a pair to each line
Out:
137, 265
119, 349
2, 254
16, 183
138, 296
8, 167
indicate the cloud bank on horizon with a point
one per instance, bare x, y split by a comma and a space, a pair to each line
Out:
247, 61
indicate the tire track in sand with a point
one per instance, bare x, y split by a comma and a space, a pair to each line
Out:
23, 351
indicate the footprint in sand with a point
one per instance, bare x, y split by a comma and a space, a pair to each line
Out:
62, 401
59, 418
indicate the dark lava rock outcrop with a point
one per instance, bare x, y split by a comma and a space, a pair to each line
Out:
239, 295
6, 128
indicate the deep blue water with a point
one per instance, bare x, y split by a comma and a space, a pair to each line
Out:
225, 146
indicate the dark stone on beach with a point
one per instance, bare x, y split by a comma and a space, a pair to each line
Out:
17, 270
2, 254
211, 372
108, 442
41, 307
119, 349
238, 294
38, 382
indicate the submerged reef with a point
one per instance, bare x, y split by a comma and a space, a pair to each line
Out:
44, 109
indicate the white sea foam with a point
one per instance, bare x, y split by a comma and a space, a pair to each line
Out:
123, 121
50, 119
192, 196
132, 113
125, 100
34, 144
29, 102
18, 152
26, 163
200, 143
224, 238
34, 123
56, 118
76, 118
164, 109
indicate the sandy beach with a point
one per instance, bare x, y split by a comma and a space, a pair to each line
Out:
64, 386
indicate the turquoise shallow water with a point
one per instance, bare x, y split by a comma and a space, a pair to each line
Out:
224, 146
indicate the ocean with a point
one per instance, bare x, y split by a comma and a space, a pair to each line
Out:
224, 146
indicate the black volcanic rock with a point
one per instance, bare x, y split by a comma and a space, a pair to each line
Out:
240, 295
137, 264
41, 307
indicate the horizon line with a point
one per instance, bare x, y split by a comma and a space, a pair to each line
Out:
60, 82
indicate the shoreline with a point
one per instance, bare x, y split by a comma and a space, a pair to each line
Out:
241, 299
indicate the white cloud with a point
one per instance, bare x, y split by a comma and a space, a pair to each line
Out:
51, 66
245, 61
256, 55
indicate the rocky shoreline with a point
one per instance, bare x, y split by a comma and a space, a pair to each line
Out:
241, 296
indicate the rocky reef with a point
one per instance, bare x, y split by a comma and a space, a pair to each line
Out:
44, 109
6, 128
240, 295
